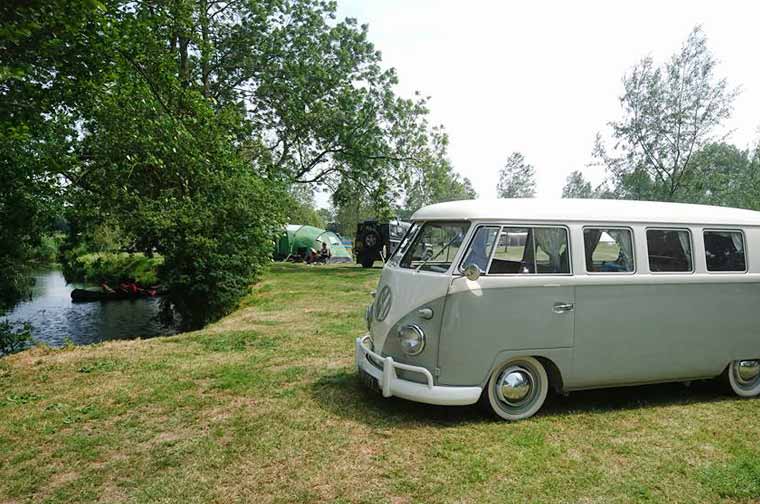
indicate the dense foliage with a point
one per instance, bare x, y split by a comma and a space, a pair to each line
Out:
14, 337
181, 129
112, 268
300, 207
723, 174
27, 189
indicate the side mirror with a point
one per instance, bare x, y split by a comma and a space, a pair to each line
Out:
472, 272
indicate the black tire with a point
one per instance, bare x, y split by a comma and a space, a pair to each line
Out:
367, 262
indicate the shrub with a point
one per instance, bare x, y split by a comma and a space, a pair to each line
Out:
214, 246
46, 252
14, 336
112, 267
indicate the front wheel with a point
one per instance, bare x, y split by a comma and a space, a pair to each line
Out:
744, 377
517, 388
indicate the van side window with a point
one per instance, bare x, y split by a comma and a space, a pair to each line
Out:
608, 250
531, 250
724, 251
669, 250
481, 247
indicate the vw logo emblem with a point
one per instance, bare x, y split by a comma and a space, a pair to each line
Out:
383, 304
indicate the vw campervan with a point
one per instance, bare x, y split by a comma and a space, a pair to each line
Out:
503, 300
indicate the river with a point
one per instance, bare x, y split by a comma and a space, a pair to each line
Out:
56, 320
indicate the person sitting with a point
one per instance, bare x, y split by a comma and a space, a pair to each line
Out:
123, 286
134, 289
324, 253
311, 258
616, 266
129, 286
106, 288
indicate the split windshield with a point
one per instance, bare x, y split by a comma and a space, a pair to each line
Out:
434, 247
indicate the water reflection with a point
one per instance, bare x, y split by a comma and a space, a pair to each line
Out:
55, 318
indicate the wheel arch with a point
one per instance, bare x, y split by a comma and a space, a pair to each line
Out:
556, 381
553, 360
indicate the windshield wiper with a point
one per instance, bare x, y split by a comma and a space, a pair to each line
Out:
445, 247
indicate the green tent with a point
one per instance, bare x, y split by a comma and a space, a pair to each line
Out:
298, 240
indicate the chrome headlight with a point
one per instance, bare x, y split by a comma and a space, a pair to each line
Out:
412, 339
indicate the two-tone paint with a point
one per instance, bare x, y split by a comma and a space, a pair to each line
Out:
621, 328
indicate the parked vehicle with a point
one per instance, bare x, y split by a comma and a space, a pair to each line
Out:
522, 296
376, 241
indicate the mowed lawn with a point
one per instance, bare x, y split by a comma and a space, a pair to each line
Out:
265, 407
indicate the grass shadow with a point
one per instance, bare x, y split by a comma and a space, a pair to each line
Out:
341, 393
343, 270
637, 397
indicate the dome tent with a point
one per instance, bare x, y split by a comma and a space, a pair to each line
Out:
297, 239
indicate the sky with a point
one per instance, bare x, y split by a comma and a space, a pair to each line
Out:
542, 77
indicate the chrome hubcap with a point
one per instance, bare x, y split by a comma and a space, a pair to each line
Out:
747, 371
515, 385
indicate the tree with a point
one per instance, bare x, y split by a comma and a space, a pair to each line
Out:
327, 215
320, 105
353, 206
186, 122
669, 113
30, 142
27, 208
723, 174
577, 186
432, 179
300, 207
516, 179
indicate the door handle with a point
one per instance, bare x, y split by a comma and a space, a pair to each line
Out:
563, 307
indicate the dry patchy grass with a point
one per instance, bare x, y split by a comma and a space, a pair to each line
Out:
264, 407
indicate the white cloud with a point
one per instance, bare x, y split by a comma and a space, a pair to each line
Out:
543, 77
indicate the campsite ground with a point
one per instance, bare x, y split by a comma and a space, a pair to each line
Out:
264, 406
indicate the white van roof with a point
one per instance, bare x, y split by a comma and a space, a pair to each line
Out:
587, 210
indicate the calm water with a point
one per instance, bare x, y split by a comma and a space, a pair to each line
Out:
55, 318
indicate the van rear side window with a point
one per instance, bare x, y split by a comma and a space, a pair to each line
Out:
608, 250
724, 251
669, 250
531, 250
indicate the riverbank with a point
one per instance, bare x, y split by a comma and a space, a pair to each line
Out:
264, 406
112, 267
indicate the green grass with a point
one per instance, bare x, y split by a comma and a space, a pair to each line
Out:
264, 406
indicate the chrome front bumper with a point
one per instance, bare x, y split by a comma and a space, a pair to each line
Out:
392, 385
